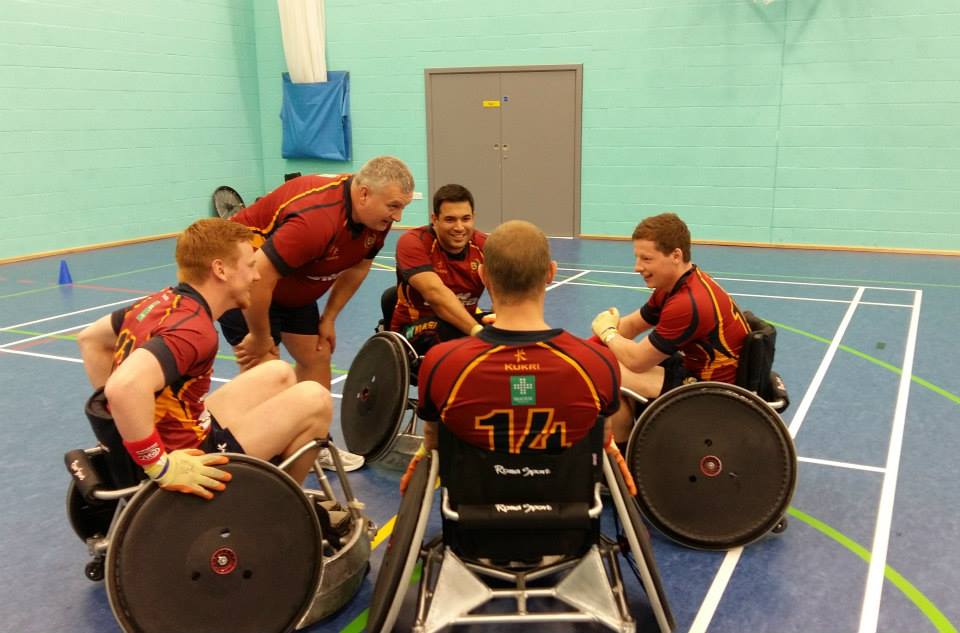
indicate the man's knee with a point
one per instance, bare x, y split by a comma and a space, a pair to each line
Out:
279, 373
317, 403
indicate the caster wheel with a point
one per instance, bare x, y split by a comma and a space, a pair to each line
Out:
780, 526
94, 570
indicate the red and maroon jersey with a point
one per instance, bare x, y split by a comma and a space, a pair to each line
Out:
519, 391
419, 251
307, 231
700, 319
175, 325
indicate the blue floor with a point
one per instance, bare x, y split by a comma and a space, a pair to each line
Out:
873, 522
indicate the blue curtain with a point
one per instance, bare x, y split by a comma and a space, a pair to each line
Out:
316, 118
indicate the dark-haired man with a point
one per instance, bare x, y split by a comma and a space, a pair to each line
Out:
438, 282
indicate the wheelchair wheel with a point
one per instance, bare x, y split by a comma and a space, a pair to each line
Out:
248, 561
403, 549
714, 465
375, 396
641, 551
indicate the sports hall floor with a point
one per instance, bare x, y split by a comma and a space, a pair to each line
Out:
867, 345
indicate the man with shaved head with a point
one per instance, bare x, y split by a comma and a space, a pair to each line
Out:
518, 385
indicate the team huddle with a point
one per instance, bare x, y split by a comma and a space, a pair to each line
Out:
505, 380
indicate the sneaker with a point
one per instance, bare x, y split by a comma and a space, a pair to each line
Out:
349, 460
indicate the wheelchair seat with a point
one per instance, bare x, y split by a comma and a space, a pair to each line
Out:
388, 301
527, 521
755, 368
222, 562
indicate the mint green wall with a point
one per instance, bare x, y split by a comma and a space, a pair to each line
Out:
803, 121
118, 118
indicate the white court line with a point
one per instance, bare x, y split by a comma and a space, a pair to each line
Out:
46, 335
753, 296
35, 354
66, 314
712, 599
763, 281
566, 281
801, 411
722, 579
870, 613
829, 462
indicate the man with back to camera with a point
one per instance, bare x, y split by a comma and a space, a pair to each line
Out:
519, 385
438, 279
154, 360
698, 330
316, 234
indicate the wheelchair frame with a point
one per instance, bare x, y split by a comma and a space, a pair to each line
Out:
343, 565
452, 587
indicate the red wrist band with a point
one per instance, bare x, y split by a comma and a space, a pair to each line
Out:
146, 451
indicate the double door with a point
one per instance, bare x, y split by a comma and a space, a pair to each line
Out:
511, 136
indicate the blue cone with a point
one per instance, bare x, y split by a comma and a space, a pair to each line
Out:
65, 277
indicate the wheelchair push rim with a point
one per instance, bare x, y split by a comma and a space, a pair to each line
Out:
247, 561
715, 466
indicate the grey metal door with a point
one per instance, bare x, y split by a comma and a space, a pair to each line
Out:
512, 136
465, 147
538, 141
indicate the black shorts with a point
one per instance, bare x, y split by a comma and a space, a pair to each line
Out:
675, 374
220, 440
302, 320
425, 333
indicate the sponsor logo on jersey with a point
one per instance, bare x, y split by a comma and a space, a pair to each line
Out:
523, 389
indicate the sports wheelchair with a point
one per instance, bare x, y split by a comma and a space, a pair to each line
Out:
377, 415
517, 527
714, 464
264, 555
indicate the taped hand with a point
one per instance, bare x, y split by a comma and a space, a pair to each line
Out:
604, 325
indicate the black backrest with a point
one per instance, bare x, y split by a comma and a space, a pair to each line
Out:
517, 506
123, 472
756, 357
388, 301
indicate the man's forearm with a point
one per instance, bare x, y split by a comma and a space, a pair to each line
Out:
449, 308
344, 288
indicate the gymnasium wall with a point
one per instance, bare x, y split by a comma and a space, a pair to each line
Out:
118, 118
802, 121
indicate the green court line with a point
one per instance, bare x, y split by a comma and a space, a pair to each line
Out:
939, 620
755, 275
84, 281
914, 595
876, 361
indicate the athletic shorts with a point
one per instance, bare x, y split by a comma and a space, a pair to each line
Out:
302, 320
220, 440
675, 374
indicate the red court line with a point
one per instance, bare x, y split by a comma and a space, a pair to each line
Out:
128, 290
34, 343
